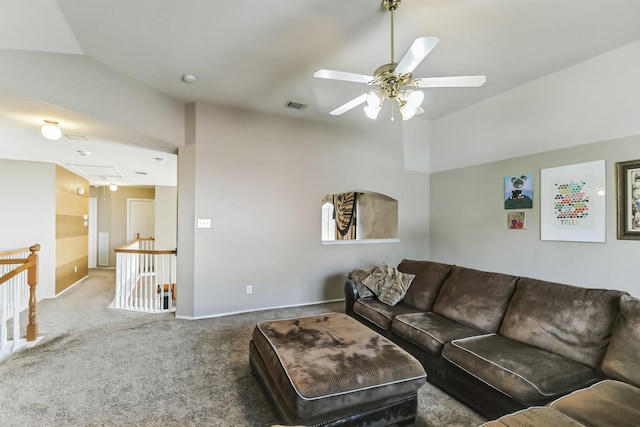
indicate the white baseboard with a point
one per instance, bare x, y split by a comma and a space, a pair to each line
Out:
211, 316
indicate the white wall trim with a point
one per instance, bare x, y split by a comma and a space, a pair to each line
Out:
212, 316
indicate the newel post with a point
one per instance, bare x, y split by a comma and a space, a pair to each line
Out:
32, 281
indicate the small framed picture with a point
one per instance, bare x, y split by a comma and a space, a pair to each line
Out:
518, 191
628, 198
516, 220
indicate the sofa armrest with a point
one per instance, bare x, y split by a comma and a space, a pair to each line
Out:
351, 296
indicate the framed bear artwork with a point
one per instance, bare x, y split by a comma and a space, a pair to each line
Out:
518, 191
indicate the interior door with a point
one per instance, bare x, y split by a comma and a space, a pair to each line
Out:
93, 232
140, 218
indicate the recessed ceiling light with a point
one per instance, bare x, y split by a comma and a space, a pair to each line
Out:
188, 78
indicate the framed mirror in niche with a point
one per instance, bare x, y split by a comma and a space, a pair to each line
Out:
359, 216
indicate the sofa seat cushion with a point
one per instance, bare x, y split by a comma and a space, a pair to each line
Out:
607, 403
430, 331
426, 285
537, 416
475, 298
379, 313
529, 375
567, 320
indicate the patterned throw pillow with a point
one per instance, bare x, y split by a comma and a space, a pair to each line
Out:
358, 276
622, 360
389, 284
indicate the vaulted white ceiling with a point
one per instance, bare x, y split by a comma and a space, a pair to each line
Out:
257, 55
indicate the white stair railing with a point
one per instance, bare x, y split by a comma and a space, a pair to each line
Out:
18, 279
145, 277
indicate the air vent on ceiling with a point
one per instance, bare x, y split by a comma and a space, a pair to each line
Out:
96, 170
76, 137
141, 173
296, 105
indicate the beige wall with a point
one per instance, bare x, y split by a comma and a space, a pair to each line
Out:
28, 215
377, 216
112, 213
72, 245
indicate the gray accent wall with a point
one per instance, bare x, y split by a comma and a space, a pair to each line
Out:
261, 179
469, 223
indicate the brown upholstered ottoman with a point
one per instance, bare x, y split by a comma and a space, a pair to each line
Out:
331, 370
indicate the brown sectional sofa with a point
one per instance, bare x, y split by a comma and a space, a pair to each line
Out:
505, 344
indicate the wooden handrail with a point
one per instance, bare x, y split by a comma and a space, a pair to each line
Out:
13, 273
13, 252
12, 261
125, 249
146, 251
31, 266
143, 238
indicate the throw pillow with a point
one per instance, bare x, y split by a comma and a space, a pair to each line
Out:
389, 284
621, 361
358, 276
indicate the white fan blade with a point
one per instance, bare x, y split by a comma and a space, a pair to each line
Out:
341, 75
458, 81
416, 53
349, 105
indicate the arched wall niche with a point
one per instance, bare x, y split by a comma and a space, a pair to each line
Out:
359, 216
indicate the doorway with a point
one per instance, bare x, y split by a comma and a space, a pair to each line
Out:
140, 218
93, 232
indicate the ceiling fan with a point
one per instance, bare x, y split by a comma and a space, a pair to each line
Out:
395, 80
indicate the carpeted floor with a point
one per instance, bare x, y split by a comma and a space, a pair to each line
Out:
103, 367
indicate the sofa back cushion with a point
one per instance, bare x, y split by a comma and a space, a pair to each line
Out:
567, 320
622, 361
425, 286
475, 298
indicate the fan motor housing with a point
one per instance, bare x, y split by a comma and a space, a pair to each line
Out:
390, 81
391, 4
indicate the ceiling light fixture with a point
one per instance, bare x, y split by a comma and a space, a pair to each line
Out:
51, 131
113, 187
395, 80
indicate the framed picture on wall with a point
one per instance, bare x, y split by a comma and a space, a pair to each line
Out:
518, 191
572, 203
628, 198
516, 220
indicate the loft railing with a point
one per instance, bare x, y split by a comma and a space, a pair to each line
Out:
145, 277
18, 280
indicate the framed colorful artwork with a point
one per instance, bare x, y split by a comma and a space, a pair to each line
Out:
516, 220
518, 191
573, 203
628, 198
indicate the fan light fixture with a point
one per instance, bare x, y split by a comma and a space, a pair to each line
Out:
51, 131
113, 187
395, 80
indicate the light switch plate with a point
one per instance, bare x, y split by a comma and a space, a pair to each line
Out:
204, 223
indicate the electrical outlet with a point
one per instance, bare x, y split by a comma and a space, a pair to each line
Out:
249, 289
